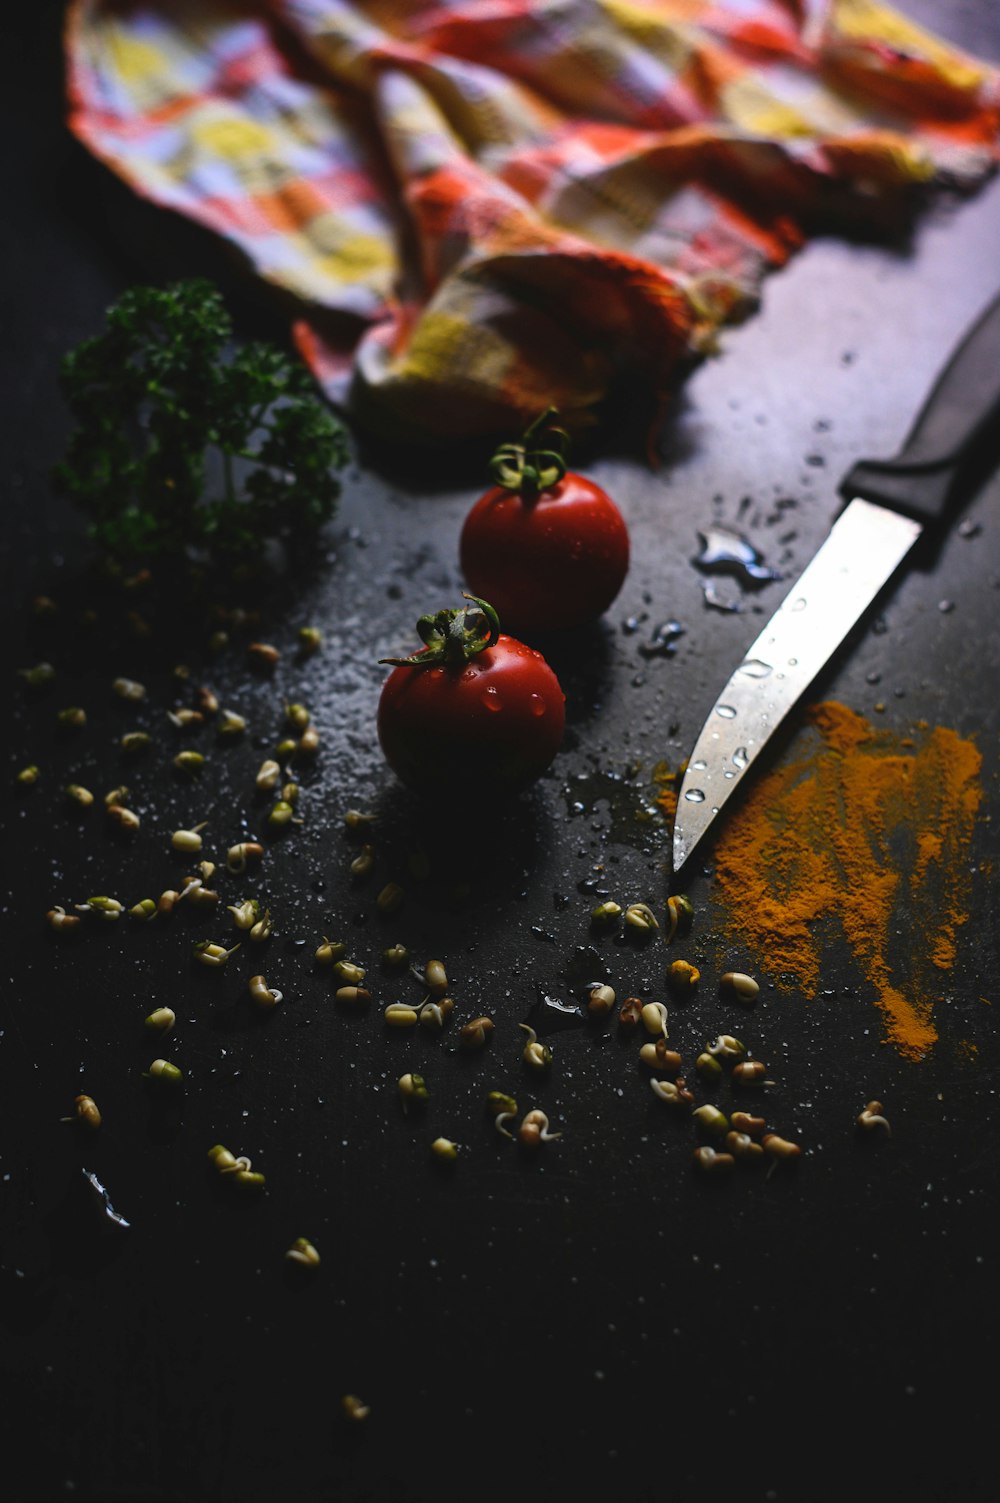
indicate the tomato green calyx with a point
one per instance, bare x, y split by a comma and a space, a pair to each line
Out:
453, 636
537, 462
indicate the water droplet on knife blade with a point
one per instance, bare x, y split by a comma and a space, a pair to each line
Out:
695, 796
755, 668
741, 757
726, 711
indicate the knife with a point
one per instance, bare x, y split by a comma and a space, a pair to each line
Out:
890, 504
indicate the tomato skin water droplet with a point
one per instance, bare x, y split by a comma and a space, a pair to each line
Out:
537, 704
490, 697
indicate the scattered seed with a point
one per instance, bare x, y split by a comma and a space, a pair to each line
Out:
744, 1122
105, 908
740, 987
355, 820
780, 1148
501, 1105
128, 688
164, 1072
682, 976
348, 972
444, 1148
390, 898
630, 1013
206, 700
363, 861
62, 922
708, 1066
245, 914
77, 794
742, 1146
680, 915
750, 1072
211, 954
73, 718
189, 762
396, 956
654, 1018
236, 1169
329, 951
144, 910
352, 996
188, 840
297, 716
38, 676
536, 1055
711, 1120
239, 856
659, 1057
726, 1048
268, 776
161, 1020
399, 1015
872, 1117
641, 919
28, 776
310, 639
435, 976
280, 814
230, 725
185, 718
263, 928
672, 1092
134, 742
709, 1161
308, 742
262, 994
412, 1090
601, 1000
534, 1130
605, 915
86, 1112
303, 1253
476, 1033
125, 819
434, 1014
262, 654
354, 1409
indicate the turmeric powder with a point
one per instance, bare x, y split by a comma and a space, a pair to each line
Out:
864, 829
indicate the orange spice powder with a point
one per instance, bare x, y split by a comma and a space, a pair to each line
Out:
869, 832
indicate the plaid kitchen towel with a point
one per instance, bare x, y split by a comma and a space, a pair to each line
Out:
485, 206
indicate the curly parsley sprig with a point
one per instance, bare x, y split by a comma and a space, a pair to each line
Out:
178, 448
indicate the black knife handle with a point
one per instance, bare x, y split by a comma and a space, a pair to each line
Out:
956, 433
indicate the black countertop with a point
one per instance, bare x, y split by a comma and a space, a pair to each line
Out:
520, 1326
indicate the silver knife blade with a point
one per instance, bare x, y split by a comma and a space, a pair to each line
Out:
956, 430
865, 546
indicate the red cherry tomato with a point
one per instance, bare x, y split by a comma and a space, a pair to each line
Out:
489, 723
548, 548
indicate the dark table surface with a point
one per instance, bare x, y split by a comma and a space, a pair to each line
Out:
596, 1316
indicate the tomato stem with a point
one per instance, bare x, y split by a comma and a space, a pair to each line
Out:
453, 636
535, 464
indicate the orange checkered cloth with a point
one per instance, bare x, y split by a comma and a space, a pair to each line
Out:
482, 207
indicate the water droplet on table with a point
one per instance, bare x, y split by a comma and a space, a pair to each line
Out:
726, 551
